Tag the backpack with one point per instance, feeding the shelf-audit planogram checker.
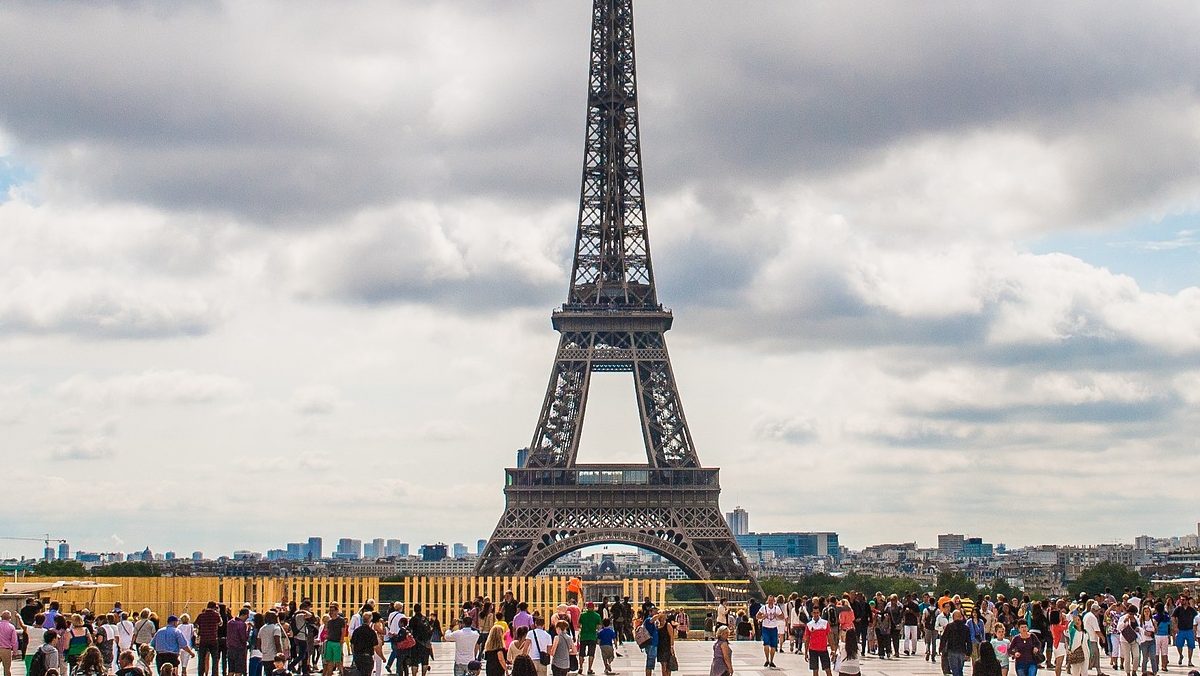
(404, 639)
(642, 636)
(38, 666)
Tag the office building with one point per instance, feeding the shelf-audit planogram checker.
(403, 549)
(378, 549)
(789, 545)
(64, 551)
(392, 548)
(277, 554)
(479, 547)
(197, 556)
(315, 551)
(169, 556)
(460, 550)
(950, 544)
(295, 551)
(738, 520)
(976, 548)
(348, 548)
(433, 552)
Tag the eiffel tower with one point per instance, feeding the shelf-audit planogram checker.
(612, 322)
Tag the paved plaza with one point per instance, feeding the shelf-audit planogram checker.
(694, 659)
(696, 656)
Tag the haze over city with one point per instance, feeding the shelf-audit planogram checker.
(273, 270)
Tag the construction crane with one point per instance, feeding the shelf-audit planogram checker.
(45, 540)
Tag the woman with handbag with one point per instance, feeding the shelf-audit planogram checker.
(666, 644)
(1075, 644)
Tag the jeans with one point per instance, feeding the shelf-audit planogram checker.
(651, 656)
(955, 661)
(209, 655)
(299, 661)
(255, 666)
(396, 655)
(1149, 657)
(1029, 669)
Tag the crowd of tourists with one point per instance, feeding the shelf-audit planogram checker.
(1133, 633)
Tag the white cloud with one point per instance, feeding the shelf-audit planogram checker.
(317, 400)
(153, 387)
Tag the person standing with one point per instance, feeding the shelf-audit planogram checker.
(771, 618)
(189, 633)
(1000, 645)
(169, 643)
(722, 661)
(1025, 649)
(562, 648)
(237, 640)
(539, 645)
(1185, 632)
(817, 636)
(848, 660)
(956, 643)
(335, 633)
(8, 642)
(495, 658)
(301, 633)
(1129, 634)
(465, 638)
(651, 644)
(363, 644)
(1095, 636)
(1075, 644)
(589, 628)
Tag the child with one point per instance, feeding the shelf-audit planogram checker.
(606, 636)
(473, 667)
(280, 665)
(1000, 644)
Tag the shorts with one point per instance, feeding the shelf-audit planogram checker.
(1185, 636)
(818, 659)
(1161, 643)
(607, 652)
(332, 653)
(587, 648)
(770, 637)
(651, 656)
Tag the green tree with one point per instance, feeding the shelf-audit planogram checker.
(957, 583)
(128, 569)
(1001, 586)
(60, 569)
(1105, 575)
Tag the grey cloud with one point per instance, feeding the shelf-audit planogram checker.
(87, 449)
(334, 111)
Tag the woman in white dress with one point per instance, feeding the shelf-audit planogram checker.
(188, 630)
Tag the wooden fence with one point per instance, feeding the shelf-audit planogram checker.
(177, 595)
(439, 596)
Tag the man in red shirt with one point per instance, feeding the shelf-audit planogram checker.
(817, 636)
(208, 623)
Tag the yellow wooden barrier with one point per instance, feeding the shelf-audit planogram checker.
(439, 596)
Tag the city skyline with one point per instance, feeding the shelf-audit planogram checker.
(916, 254)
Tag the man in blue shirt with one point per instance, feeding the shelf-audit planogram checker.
(168, 642)
(651, 648)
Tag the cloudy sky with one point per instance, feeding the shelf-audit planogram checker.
(279, 269)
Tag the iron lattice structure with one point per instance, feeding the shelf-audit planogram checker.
(612, 321)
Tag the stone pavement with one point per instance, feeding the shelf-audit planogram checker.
(696, 656)
(694, 660)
